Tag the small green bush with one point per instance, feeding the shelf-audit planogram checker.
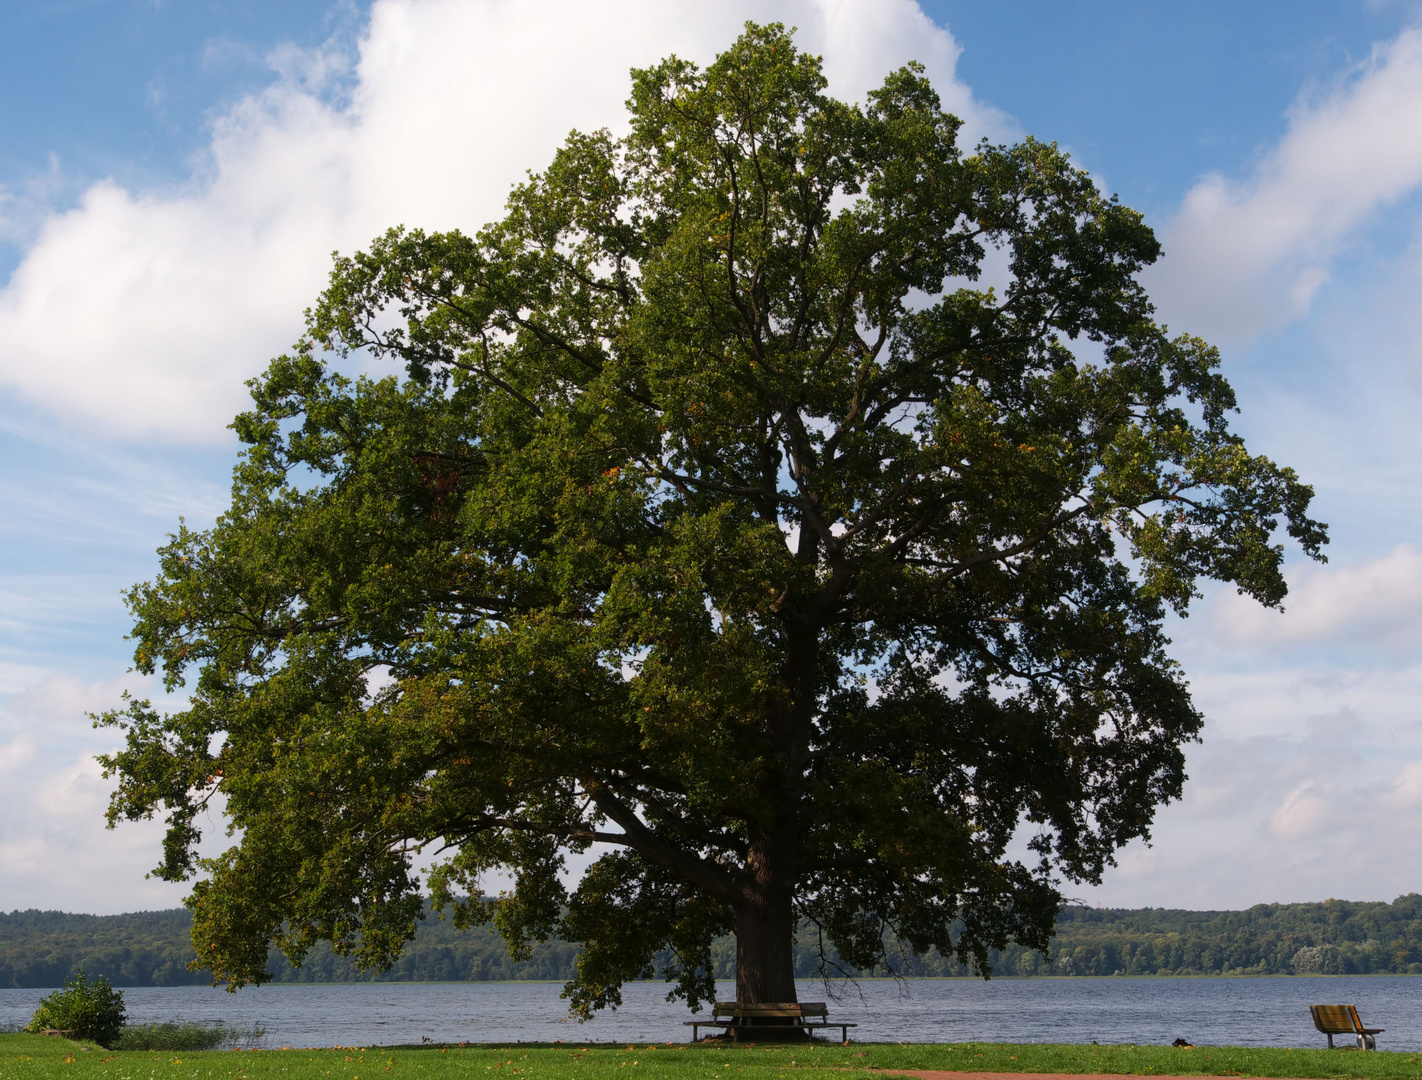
(184, 1036)
(87, 1010)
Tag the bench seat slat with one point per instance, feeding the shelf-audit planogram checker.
(732, 1023)
(772, 1008)
(749, 1015)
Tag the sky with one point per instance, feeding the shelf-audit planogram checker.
(174, 177)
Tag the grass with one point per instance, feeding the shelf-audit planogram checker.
(36, 1057)
(185, 1036)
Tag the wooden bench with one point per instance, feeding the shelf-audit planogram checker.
(1343, 1020)
(765, 1020)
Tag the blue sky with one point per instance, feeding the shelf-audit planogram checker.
(174, 175)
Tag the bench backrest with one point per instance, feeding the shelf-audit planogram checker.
(778, 1009)
(1336, 1019)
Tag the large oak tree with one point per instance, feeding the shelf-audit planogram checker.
(716, 517)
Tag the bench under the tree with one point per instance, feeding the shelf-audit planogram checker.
(767, 1020)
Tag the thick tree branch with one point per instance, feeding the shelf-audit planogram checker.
(707, 875)
(576, 833)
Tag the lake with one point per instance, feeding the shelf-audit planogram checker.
(1205, 1011)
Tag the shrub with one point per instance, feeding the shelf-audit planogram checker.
(184, 1036)
(1320, 960)
(87, 1010)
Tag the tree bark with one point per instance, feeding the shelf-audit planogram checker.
(765, 933)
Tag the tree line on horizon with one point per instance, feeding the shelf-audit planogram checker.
(1336, 937)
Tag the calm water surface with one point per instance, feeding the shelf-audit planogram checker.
(1239, 1012)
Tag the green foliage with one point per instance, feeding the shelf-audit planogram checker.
(154, 948)
(722, 517)
(1340, 936)
(146, 948)
(185, 1036)
(1337, 937)
(86, 1009)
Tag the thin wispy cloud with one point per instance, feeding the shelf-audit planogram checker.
(1246, 255)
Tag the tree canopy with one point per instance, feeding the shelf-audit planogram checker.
(780, 505)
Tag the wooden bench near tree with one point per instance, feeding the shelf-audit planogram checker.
(1343, 1020)
(771, 1020)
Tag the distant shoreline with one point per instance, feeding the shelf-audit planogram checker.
(1334, 938)
(387, 984)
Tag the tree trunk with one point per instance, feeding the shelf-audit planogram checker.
(765, 930)
(765, 962)
(765, 915)
(765, 965)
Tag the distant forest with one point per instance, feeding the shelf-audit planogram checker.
(1336, 937)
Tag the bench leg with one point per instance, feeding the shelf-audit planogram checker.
(1330, 1040)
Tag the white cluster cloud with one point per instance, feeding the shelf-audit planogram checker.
(1311, 760)
(144, 312)
(52, 844)
(1377, 602)
(1241, 257)
(1325, 809)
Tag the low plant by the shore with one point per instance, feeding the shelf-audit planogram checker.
(30, 1057)
(86, 1008)
(186, 1036)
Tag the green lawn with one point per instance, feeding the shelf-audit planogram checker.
(34, 1057)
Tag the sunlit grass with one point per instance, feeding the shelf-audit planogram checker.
(31, 1057)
